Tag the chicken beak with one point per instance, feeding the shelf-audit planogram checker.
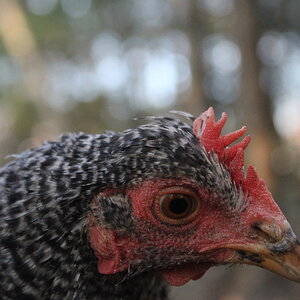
(281, 257)
(286, 265)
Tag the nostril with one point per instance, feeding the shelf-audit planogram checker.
(268, 232)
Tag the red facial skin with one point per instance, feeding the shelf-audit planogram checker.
(206, 236)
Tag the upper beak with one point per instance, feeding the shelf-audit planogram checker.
(279, 253)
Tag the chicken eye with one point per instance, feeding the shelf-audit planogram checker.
(177, 208)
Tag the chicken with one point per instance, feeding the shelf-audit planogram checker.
(121, 215)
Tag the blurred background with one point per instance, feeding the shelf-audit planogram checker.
(87, 65)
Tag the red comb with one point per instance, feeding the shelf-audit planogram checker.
(208, 132)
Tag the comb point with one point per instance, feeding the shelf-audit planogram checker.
(231, 137)
(236, 165)
(232, 151)
(251, 179)
(220, 124)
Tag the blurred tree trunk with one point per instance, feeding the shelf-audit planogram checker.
(21, 46)
(194, 102)
(26, 102)
(254, 106)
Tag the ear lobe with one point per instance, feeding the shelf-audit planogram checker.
(103, 242)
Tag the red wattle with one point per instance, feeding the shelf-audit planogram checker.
(180, 275)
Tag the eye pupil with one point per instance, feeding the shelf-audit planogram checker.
(178, 205)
